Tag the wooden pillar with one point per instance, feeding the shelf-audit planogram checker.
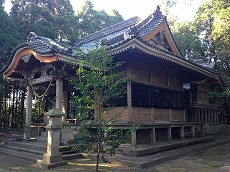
(209, 116)
(217, 119)
(193, 131)
(202, 115)
(169, 133)
(170, 115)
(27, 133)
(133, 137)
(195, 114)
(129, 100)
(206, 115)
(212, 116)
(199, 116)
(202, 130)
(153, 135)
(59, 93)
(182, 132)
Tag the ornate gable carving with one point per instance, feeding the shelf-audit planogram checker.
(162, 38)
(160, 41)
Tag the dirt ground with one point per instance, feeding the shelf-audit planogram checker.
(216, 159)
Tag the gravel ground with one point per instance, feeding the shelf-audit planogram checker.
(216, 159)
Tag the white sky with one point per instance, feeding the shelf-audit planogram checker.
(141, 8)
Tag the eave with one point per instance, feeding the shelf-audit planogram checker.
(134, 43)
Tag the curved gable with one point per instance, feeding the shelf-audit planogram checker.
(23, 56)
(162, 38)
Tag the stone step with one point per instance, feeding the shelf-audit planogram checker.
(42, 139)
(34, 150)
(30, 156)
(157, 158)
(32, 145)
(142, 150)
(24, 150)
(40, 146)
(44, 134)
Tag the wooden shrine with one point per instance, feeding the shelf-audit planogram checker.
(167, 97)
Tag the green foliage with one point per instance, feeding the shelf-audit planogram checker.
(95, 85)
(8, 36)
(46, 18)
(91, 20)
(188, 41)
(212, 21)
(2, 2)
(221, 99)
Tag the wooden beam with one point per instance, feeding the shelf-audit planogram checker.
(45, 67)
(41, 80)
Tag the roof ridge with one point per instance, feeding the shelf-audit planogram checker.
(104, 32)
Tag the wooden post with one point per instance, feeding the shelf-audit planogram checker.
(202, 130)
(133, 137)
(193, 131)
(170, 115)
(209, 116)
(217, 119)
(169, 133)
(212, 117)
(153, 135)
(129, 100)
(27, 133)
(195, 114)
(182, 132)
(207, 112)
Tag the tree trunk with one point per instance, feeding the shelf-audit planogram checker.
(98, 158)
(13, 110)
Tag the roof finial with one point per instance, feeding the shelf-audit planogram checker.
(157, 11)
(31, 37)
(158, 8)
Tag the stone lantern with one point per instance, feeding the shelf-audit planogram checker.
(53, 158)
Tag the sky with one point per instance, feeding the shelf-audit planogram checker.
(141, 8)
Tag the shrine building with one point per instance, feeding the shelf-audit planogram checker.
(168, 94)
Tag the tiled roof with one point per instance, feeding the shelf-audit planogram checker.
(119, 33)
(150, 23)
(46, 46)
(42, 46)
(110, 35)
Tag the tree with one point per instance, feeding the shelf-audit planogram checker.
(8, 36)
(188, 41)
(8, 40)
(46, 18)
(212, 22)
(95, 86)
(91, 20)
(166, 6)
(2, 2)
(211, 16)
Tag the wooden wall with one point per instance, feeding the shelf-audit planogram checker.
(154, 73)
(143, 115)
(121, 111)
